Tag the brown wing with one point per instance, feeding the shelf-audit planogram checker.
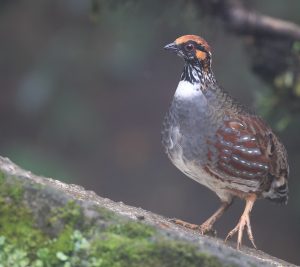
(249, 156)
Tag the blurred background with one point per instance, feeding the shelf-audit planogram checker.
(84, 89)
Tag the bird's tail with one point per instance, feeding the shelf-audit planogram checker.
(278, 191)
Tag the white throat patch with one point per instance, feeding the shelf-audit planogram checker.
(186, 89)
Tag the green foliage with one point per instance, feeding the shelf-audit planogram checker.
(95, 9)
(269, 105)
(281, 103)
(296, 47)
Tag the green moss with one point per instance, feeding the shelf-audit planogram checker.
(19, 237)
(13, 191)
(136, 244)
(63, 242)
(80, 242)
(106, 214)
(15, 220)
(68, 215)
(120, 250)
(132, 230)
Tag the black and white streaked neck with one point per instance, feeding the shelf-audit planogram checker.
(195, 72)
(193, 80)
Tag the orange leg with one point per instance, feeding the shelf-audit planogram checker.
(208, 224)
(244, 221)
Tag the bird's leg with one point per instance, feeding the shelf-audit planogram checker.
(244, 221)
(207, 225)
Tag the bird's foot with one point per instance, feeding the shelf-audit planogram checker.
(244, 221)
(204, 228)
(185, 224)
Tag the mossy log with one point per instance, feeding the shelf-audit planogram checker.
(44, 222)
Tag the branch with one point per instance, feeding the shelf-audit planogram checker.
(247, 22)
(243, 21)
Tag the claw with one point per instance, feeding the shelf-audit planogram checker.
(249, 232)
(205, 228)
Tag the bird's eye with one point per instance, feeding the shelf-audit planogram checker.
(189, 47)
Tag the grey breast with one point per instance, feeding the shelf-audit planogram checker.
(186, 129)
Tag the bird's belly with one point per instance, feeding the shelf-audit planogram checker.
(193, 171)
(192, 164)
(200, 175)
(192, 168)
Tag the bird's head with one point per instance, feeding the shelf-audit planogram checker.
(192, 48)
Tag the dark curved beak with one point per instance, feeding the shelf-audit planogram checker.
(171, 47)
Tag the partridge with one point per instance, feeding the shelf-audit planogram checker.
(217, 142)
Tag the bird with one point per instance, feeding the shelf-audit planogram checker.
(216, 141)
